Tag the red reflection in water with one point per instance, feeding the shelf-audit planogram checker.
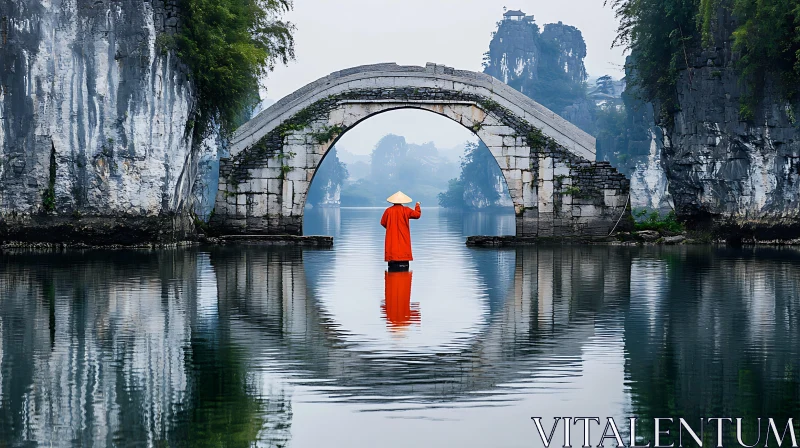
(397, 308)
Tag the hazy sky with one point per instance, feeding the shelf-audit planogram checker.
(336, 34)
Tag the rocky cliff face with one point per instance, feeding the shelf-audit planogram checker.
(92, 136)
(546, 66)
(571, 49)
(740, 176)
(649, 186)
(639, 155)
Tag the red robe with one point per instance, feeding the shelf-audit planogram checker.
(397, 246)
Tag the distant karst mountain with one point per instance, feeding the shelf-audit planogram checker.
(394, 164)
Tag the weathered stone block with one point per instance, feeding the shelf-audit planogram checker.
(520, 150)
(528, 197)
(561, 169)
(297, 174)
(223, 208)
(253, 186)
(273, 204)
(490, 140)
(274, 185)
(295, 139)
(299, 161)
(611, 199)
(502, 161)
(586, 211)
(301, 187)
(220, 197)
(314, 160)
(527, 176)
(288, 195)
(545, 190)
(546, 169)
(265, 173)
(259, 205)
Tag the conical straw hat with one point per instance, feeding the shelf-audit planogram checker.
(399, 198)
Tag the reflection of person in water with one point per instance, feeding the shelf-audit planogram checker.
(398, 310)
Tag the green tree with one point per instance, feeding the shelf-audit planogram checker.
(605, 84)
(229, 46)
(454, 196)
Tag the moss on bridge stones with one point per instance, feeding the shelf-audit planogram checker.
(272, 144)
(327, 133)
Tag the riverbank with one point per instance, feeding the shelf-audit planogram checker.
(635, 238)
(82, 232)
(641, 238)
(318, 241)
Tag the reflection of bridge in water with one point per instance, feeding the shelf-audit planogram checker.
(542, 312)
(157, 346)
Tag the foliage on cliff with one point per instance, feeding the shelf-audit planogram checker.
(555, 88)
(548, 66)
(768, 39)
(653, 220)
(661, 34)
(229, 46)
(664, 34)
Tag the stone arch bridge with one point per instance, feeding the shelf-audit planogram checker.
(549, 164)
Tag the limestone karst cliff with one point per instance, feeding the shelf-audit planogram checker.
(723, 77)
(546, 65)
(94, 113)
(738, 174)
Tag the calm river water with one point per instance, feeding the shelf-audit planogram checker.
(257, 345)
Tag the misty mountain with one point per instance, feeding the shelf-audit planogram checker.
(347, 179)
(350, 158)
(358, 165)
(453, 154)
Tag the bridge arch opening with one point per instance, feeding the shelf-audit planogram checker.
(413, 150)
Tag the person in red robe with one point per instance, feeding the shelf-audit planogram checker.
(397, 246)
